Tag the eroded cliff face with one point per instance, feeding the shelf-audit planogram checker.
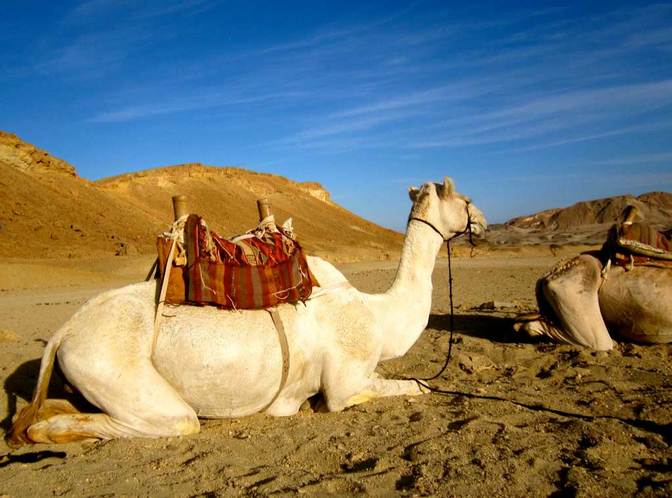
(28, 158)
(316, 190)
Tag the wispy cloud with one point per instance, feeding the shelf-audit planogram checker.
(99, 37)
(182, 104)
(530, 85)
(541, 84)
(632, 179)
(656, 158)
(445, 93)
(93, 10)
(565, 112)
(168, 7)
(587, 137)
(93, 54)
(656, 37)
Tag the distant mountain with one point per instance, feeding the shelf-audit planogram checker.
(585, 222)
(47, 210)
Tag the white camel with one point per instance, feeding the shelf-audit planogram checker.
(215, 364)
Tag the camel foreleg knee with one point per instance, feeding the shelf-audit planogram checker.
(568, 297)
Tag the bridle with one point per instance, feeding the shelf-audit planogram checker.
(467, 230)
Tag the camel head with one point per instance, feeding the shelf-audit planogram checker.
(447, 211)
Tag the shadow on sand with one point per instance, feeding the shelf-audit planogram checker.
(484, 326)
(21, 384)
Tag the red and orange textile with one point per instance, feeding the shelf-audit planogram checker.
(259, 270)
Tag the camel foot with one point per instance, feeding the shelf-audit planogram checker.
(69, 427)
(60, 429)
(381, 388)
(29, 416)
(533, 328)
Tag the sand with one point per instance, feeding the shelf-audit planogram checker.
(519, 417)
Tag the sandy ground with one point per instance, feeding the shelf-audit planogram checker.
(521, 418)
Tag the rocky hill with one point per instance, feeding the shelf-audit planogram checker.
(584, 222)
(47, 210)
(28, 158)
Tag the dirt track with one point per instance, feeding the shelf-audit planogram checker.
(523, 418)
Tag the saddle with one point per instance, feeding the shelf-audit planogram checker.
(631, 244)
(257, 270)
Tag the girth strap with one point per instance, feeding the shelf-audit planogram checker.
(162, 297)
(284, 346)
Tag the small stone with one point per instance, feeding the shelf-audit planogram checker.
(416, 417)
(495, 305)
(9, 336)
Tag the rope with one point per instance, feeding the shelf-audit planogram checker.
(467, 230)
(423, 381)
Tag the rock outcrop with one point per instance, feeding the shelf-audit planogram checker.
(28, 158)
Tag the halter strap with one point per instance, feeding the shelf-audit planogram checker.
(413, 218)
(467, 229)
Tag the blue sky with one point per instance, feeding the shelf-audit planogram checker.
(527, 105)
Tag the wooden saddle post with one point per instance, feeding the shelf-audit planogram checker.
(179, 210)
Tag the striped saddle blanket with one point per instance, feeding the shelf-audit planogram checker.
(257, 270)
(638, 244)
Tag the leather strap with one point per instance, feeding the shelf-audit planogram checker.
(467, 228)
(284, 346)
(162, 296)
(152, 271)
(413, 218)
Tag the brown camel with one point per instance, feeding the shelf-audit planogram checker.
(584, 299)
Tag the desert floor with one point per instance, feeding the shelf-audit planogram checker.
(520, 418)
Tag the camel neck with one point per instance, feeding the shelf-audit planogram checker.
(404, 309)
(418, 258)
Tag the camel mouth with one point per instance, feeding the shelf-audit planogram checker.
(478, 229)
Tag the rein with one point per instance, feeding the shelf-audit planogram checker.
(467, 230)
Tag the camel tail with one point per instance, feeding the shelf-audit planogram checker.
(17, 435)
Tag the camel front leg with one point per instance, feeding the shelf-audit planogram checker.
(354, 383)
(381, 388)
(571, 291)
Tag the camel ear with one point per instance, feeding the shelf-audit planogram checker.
(413, 193)
(448, 187)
